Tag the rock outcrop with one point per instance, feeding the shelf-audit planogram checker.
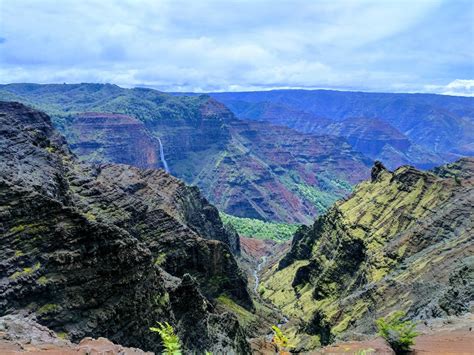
(110, 250)
(22, 334)
(104, 137)
(402, 241)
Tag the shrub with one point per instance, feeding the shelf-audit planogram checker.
(398, 333)
(279, 339)
(170, 340)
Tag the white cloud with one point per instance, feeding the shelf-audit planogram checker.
(458, 87)
(224, 45)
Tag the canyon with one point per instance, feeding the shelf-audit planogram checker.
(247, 169)
(402, 241)
(100, 240)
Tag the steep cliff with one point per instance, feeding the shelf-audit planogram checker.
(104, 137)
(379, 140)
(275, 173)
(109, 250)
(403, 240)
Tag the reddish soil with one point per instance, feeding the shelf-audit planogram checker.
(375, 346)
(446, 342)
(456, 342)
(256, 248)
(87, 346)
(442, 337)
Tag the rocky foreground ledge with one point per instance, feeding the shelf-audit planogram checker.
(20, 334)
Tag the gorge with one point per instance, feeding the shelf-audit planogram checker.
(236, 177)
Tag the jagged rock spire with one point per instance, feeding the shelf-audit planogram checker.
(376, 170)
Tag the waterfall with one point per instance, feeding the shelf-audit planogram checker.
(162, 156)
(255, 273)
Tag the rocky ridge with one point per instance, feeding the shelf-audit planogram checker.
(401, 241)
(274, 173)
(110, 250)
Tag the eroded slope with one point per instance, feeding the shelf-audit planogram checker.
(402, 241)
(110, 250)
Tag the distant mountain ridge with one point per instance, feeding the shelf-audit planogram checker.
(440, 128)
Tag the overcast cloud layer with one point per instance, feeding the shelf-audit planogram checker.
(203, 45)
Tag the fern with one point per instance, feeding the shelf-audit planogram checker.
(170, 340)
(398, 333)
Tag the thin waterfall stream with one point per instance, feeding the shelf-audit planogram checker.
(162, 156)
(256, 271)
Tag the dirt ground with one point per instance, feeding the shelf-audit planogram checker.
(87, 346)
(456, 342)
(454, 336)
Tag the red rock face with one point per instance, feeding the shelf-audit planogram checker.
(249, 169)
(275, 173)
(215, 109)
(117, 138)
(369, 135)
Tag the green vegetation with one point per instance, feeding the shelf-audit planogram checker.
(365, 351)
(323, 195)
(90, 216)
(170, 340)
(43, 280)
(280, 340)
(26, 271)
(33, 228)
(48, 308)
(61, 102)
(245, 317)
(398, 333)
(161, 300)
(160, 259)
(63, 335)
(322, 200)
(258, 229)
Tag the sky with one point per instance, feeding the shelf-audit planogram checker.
(215, 45)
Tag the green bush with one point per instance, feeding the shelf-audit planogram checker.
(398, 333)
(170, 340)
(280, 340)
